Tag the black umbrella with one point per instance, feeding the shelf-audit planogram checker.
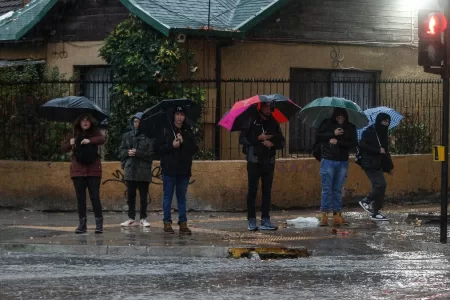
(68, 109)
(160, 116)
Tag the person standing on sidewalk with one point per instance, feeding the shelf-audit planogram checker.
(336, 137)
(260, 139)
(136, 154)
(86, 168)
(177, 150)
(375, 161)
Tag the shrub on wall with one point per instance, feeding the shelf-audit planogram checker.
(145, 66)
(23, 134)
(411, 137)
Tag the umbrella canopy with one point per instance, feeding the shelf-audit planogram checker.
(322, 108)
(160, 116)
(244, 110)
(372, 114)
(68, 109)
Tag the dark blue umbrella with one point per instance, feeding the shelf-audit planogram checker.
(68, 109)
(160, 116)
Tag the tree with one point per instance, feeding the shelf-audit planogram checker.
(144, 66)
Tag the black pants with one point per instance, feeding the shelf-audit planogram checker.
(254, 172)
(92, 184)
(142, 186)
(376, 195)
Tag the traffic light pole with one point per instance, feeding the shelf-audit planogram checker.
(445, 133)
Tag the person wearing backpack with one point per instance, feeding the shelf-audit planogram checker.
(136, 154)
(375, 160)
(86, 168)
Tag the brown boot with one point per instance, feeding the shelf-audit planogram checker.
(338, 219)
(323, 219)
(184, 229)
(168, 227)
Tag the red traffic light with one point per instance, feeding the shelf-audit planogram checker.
(436, 23)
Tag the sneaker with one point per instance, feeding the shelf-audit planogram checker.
(378, 217)
(129, 223)
(266, 225)
(367, 206)
(252, 224)
(144, 223)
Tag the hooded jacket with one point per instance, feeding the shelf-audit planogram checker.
(139, 167)
(177, 161)
(345, 142)
(372, 140)
(253, 148)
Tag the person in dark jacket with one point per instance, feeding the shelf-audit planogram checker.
(86, 172)
(375, 161)
(260, 139)
(136, 154)
(177, 150)
(337, 137)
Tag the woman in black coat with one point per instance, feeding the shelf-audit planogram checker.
(375, 161)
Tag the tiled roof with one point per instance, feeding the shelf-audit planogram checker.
(15, 25)
(224, 17)
(9, 5)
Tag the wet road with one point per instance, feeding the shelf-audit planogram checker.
(386, 275)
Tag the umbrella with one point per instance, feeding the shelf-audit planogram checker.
(372, 114)
(244, 110)
(161, 116)
(322, 108)
(68, 109)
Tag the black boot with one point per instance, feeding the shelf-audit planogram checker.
(98, 225)
(82, 226)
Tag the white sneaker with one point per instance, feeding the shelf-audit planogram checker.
(145, 223)
(129, 223)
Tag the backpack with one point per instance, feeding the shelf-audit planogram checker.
(358, 156)
(85, 154)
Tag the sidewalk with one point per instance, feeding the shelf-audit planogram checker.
(214, 234)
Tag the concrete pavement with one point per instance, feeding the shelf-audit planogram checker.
(216, 234)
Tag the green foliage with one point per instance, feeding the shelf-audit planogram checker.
(411, 137)
(24, 135)
(145, 66)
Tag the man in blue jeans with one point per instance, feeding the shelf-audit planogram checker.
(177, 150)
(337, 137)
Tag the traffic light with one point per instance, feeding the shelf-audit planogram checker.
(432, 25)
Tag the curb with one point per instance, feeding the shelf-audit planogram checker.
(166, 251)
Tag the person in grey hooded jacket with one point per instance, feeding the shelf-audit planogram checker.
(136, 154)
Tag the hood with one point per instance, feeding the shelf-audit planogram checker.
(381, 117)
(137, 115)
(339, 111)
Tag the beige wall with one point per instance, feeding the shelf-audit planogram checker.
(78, 54)
(218, 186)
(264, 60)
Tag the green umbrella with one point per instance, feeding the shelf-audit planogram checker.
(322, 108)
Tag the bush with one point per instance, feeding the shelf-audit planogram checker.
(411, 137)
(23, 134)
(145, 64)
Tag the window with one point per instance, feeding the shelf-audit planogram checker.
(95, 84)
(309, 84)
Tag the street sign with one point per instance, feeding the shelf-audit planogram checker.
(439, 153)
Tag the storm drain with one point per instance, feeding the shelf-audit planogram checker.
(264, 253)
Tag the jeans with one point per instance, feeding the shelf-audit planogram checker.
(376, 195)
(254, 172)
(142, 186)
(179, 184)
(92, 184)
(333, 174)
